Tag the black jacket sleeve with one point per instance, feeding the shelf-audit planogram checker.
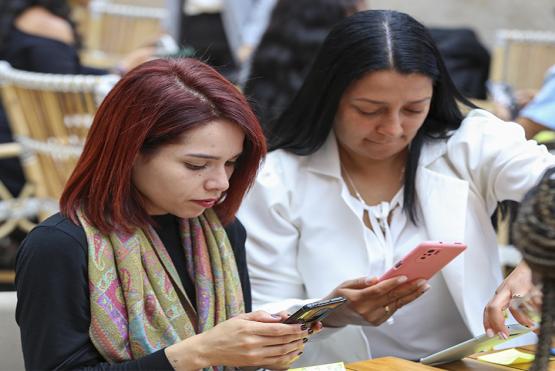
(53, 309)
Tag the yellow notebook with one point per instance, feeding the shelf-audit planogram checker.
(508, 357)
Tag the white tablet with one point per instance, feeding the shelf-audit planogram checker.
(481, 343)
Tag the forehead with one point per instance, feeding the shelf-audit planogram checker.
(387, 84)
(215, 136)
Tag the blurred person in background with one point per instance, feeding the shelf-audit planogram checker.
(285, 53)
(539, 113)
(40, 36)
(223, 33)
(466, 59)
(533, 110)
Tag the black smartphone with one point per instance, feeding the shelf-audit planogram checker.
(316, 311)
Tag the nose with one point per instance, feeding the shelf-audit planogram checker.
(391, 125)
(218, 181)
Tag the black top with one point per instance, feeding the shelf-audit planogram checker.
(41, 54)
(53, 307)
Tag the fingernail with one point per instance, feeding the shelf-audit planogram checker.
(310, 331)
(426, 288)
(369, 280)
(276, 315)
(305, 340)
(420, 283)
(402, 279)
(489, 333)
(303, 327)
(503, 336)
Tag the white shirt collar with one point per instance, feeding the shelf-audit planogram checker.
(326, 160)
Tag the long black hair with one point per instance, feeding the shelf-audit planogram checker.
(296, 30)
(11, 9)
(534, 235)
(364, 42)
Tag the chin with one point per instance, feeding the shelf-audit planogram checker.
(377, 156)
(192, 213)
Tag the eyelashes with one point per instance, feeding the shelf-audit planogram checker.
(194, 167)
(229, 164)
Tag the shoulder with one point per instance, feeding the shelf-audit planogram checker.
(38, 22)
(484, 143)
(281, 167)
(57, 238)
(481, 137)
(480, 125)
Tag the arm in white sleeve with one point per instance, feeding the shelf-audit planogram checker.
(272, 241)
(499, 159)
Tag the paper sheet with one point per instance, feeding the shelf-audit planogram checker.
(508, 357)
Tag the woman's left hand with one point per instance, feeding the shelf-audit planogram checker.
(517, 284)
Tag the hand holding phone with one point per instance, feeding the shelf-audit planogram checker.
(425, 260)
(316, 311)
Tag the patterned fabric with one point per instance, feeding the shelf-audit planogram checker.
(138, 303)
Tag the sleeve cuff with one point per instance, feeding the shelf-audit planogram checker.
(156, 361)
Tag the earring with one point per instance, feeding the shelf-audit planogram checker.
(222, 198)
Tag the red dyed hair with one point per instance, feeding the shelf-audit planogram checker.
(153, 105)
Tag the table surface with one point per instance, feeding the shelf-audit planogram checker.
(468, 363)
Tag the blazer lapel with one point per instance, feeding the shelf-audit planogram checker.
(443, 202)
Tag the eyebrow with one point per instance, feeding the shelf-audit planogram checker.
(381, 102)
(209, 157)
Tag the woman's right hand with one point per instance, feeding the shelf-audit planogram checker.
(373, 301)
(251, 339)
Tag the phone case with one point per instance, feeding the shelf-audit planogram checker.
(425, 260)
(316, 311)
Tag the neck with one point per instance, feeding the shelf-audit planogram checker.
(373, 181)
(356, 164)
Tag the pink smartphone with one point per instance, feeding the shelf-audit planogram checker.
(425, 260)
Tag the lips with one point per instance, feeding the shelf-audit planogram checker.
(380, 142)
(206, 203)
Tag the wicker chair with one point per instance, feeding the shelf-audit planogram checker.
(521, 58)
(50, 116)
(113, 30)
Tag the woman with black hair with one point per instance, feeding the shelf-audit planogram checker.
(283, 57)
(372, 157)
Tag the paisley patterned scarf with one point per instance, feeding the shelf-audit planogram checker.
(138, 303)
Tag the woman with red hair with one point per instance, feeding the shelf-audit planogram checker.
(138, 271)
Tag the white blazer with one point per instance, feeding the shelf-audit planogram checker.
(304, 240)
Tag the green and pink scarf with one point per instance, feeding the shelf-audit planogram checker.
(138, 303)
